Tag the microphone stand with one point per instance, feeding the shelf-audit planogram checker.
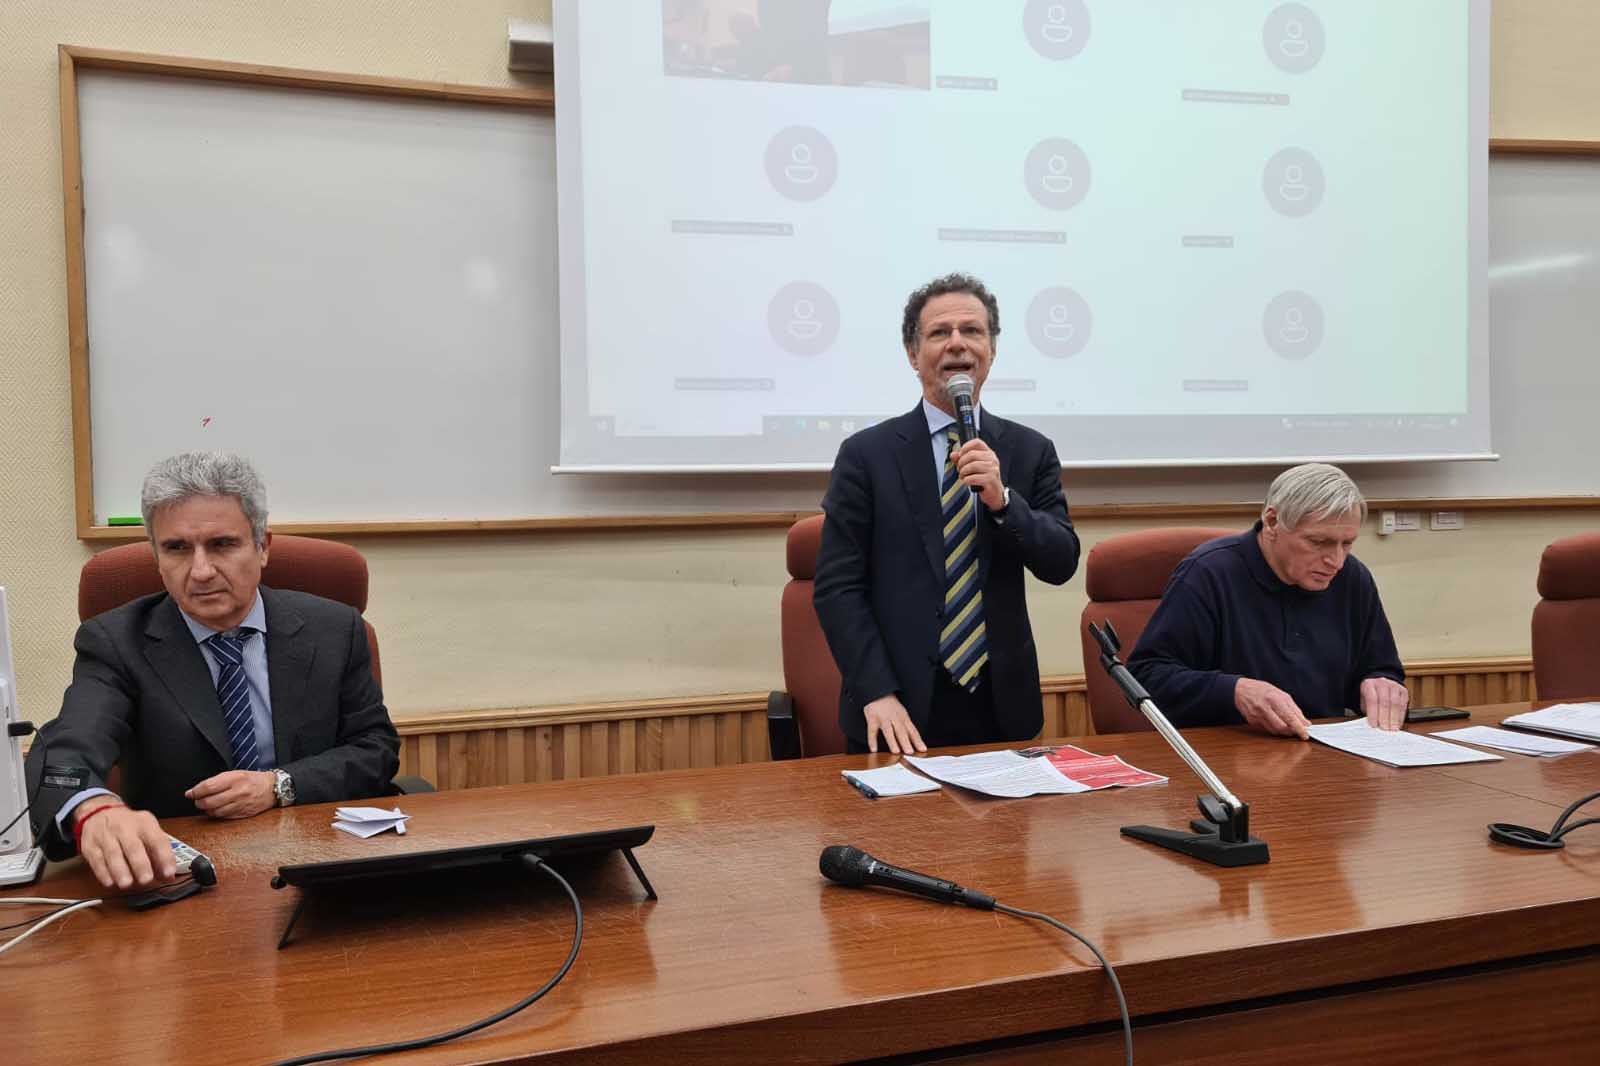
(1223, 839)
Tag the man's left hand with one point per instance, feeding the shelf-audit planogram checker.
(979, 467)
(237, 793)
(1384, 702)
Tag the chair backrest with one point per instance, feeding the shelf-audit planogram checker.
(1125, 576)
(305, 564)
(1566, 621)
(809, 673)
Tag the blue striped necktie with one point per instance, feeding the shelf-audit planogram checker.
(234, 694)
(963, 643)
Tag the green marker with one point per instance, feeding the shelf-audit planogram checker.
(124, 520)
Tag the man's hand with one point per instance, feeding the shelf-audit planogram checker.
(235, 793)
(1384, 702)
(1269, 708)
(978, 467)
(889, 716)
(124, 848)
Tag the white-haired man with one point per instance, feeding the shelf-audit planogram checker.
(1279, 622)
(218, 696)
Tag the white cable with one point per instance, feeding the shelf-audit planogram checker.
(78, 906)
(38, 899)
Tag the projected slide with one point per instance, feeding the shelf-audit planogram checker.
(1217, 232)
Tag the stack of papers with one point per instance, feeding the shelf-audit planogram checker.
(1394, 747)
(366, 822)
(998, 773)
(1581, 720)
(1519, 743)
(893, 780)
(1012, 774)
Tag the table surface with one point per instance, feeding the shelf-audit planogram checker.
(1375, 872)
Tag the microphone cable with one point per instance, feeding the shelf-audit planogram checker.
(64, 907)
(1116, 985)
(1538, 839)
(429, 1041)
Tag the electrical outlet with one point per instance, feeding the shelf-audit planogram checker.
(1385, 523)
(1407, 521)
(1447, 520)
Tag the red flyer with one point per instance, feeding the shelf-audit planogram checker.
(1099, 771)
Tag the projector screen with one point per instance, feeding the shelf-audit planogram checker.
(1218, 232)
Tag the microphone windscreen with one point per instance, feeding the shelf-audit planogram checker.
(959, 385)
(845, 865)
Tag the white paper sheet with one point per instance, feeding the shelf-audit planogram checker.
(888, 781)
(1510, 740)
(1570, 719)
(1394, 747)
(366, 822)
(998, 773)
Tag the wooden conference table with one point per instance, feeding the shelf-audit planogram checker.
(1386, 928)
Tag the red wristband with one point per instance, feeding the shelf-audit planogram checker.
(77, 828)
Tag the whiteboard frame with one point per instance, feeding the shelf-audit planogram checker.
(536, 98)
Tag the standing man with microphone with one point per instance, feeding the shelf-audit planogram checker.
(929, 523)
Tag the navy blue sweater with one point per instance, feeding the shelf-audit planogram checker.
(1225, 615)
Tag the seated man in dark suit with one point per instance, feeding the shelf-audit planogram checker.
(218, 696)
(919, 575)
(1277, 622)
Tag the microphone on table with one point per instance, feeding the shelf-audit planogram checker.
(959, 389)
(854, 868)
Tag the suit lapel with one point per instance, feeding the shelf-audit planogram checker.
(290, 653)
(914, 455)
(180, 664)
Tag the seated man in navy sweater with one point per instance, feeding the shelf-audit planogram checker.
(1277, 623)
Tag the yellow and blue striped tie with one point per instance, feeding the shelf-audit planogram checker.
(963, 643)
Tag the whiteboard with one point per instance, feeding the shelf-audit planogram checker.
(359, 292)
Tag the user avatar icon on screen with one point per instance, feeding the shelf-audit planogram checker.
(804, 325)
(1059, 328)
(1056, 28)
(1294, 326)
(800, 170)
(1056, 179)
(1294, 43)
(1294, 187)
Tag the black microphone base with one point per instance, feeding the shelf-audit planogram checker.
(1206, 846)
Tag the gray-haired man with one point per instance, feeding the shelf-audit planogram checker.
(218, 696)
(1278, 622)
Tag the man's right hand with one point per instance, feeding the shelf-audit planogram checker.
(1269, 709)
(888, 715)
(123, 847)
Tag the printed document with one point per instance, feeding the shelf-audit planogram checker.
(1394, 747)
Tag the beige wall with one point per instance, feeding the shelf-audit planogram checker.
(522, 620)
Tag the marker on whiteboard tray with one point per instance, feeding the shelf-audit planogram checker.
(124, 520)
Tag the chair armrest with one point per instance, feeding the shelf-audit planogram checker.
(783, 732)
(410, 785)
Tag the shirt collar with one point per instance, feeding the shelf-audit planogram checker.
(938, 420)
(256, 620)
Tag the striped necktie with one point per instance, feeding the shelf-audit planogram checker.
(963, 643)
(234, 694)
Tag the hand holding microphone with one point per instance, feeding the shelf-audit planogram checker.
(976, 463)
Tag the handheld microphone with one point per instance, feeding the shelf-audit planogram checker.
(960, 388)
(854, 868)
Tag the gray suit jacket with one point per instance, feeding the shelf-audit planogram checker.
(141, 697)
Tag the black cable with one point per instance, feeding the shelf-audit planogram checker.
(1116, 986)
(1557, 832)
(44, 753)
(40, 917)
(1538, 839)
(499, 1016)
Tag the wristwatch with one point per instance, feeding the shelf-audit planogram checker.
(1005, 505)
(282, 789)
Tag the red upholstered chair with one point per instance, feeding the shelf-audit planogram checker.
(803, 720)
(305, 564)
(1566, 621)
(1125, 576)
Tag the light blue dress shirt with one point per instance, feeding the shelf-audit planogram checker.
(937, 421)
